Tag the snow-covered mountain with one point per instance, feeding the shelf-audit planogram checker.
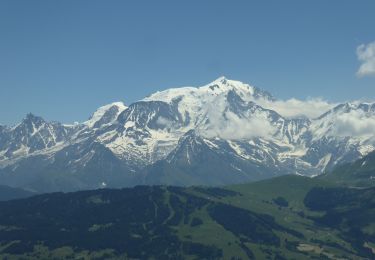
(31, 136)
(216, 134)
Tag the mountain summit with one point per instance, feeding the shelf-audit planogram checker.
(219, 133)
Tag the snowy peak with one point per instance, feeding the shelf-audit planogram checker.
(353, 120)
(33, 118)
(218, 87)
(222, 84)
(33, 134)
(368, 108)
(30, 125)
(151, 115)
(218, 108)
(105, 115)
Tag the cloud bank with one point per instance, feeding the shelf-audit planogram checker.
(366, 55)
(236, 128)
(225, 124)
(164, 122)
(291, 108)
(355, 124)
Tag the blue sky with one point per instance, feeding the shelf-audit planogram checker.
(63, 59)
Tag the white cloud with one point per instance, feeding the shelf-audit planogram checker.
(236, 128)
(241, 128)
(227, 125)
(366, 55)
(355, 124)
(164, 122)
(311, 108)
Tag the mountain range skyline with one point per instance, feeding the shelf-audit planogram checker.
(318, 102)
(243, 132)
(62, 63)
(311, 107)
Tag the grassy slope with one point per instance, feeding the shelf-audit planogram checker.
(259, 196)
(182, 205)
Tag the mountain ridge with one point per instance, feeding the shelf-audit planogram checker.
(226, 116)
